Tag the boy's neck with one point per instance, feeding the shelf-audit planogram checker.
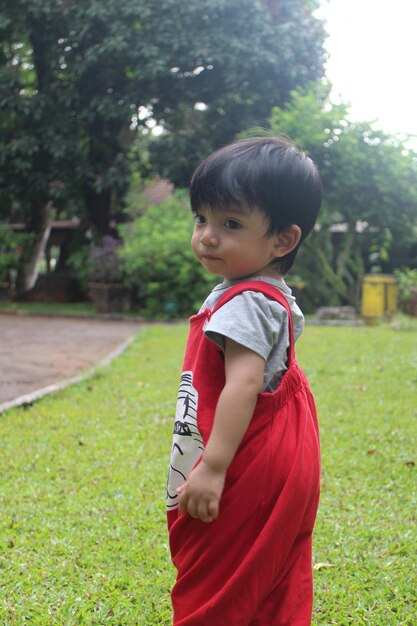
(265, 273)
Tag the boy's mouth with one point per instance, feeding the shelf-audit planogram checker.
(210, 257)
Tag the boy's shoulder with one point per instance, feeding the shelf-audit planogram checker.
(221, 290)
(252, 309)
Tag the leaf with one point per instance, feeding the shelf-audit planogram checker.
(319, 566)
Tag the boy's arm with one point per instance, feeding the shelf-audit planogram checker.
(244, 370)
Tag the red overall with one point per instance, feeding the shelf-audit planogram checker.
(252, 566)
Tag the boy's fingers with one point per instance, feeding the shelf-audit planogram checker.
(200, 508)
(202, 511)
(192, 507)
(213, 509)
(182, 503)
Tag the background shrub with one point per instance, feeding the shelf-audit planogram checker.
(407, 289)
(12, 248)
(160, 265)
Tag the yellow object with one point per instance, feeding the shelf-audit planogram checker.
(379, 297)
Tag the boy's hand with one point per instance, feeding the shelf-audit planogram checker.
(200, 495)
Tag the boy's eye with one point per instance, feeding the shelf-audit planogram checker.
(232, 224)
(199, 219)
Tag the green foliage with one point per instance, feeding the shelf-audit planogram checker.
(238, 83)
(74, 74)
(37, 140)
(82, 525)
(314, 268)
(106, 263)
(369, 186)
(407, 287)
(159, 262)
(12, 248)
(80, 263)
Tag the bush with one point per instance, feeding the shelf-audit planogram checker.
(12, 247)
(159, 263)
(407, 289)
(106, 264)
(320, 288)
(95, 261)
(79, 262)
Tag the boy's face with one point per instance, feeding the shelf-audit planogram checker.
(234, 243)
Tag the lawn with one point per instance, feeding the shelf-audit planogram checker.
(82, 526)
(82, 309)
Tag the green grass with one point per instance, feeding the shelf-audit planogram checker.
(365, 382)
(70, 309)
(48, 308)
(82, 524)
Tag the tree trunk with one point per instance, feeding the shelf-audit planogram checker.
(110, 169)
(40, 228)
(99, 208)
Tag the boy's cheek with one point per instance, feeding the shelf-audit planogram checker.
(194, 244)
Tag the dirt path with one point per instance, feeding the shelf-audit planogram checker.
(37, 351)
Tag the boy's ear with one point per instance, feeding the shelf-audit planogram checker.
(287, 240)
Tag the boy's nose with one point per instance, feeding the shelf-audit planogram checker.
(209, 237)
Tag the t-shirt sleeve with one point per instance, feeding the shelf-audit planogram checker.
(250, 319)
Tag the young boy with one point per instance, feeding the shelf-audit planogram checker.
(244, 476)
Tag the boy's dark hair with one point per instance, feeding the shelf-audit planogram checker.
(270, 173)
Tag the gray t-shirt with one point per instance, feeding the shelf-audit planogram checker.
(256, 322)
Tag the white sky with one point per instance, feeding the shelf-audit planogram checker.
(373, 60)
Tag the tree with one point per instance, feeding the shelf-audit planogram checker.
(248, 57)
(74, 73)
(37, 147)
(370, 186)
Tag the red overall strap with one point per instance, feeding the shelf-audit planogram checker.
(268, 290)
